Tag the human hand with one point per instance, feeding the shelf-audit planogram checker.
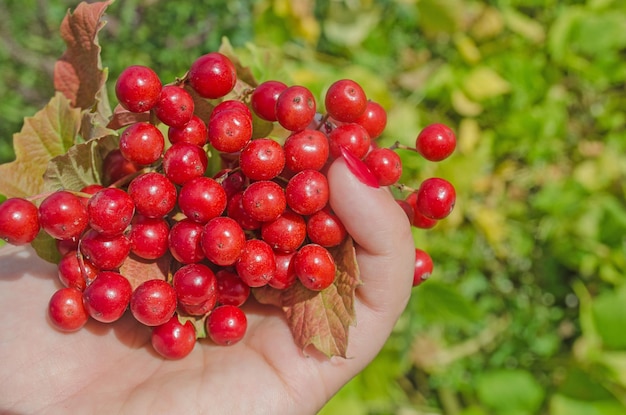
(112, 368)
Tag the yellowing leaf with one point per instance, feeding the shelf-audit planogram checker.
(80, 166)
(49, 133)
(78, 74)
(484, 83)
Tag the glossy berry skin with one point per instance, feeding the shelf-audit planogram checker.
(236, 211)
(195, 284)
(153, 302)
(115, 167)
(306, 149)
(351, 137)
(153, 194)
(66, 310)
(149, 237)
(183, 162)
(295, 108)
(185, 241)
(385, 164)
(345, 100)
(212, 75)
(233, 181)
(230, 130)
(175, 106)
(63, 215)
(285, 276)
(264, 200)
(286, 233)
(226, 325)
(307, 192)
(256, 265)
(110, 211)
(325, 228)
(416, 217)
(73, 271)
(142, 143)
(264, 97)
(231, 104)
(423, 267)
(435, 198)
(138, 88)
(19, 221)
(108, 296)
(262, 159)
(231, 289)
(314, 267)
(373, 119)
(194, 132)
(436, 142)
(105, 252)
(173, 340)
(223, 240)
(202, 199)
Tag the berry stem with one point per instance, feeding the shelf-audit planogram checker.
(401, 146)
(404, 188)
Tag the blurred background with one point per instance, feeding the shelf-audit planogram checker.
(525, 312)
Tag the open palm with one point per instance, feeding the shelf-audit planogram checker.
(112, 368)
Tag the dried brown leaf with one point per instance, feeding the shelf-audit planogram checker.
(137, 270)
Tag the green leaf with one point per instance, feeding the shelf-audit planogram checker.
(510, 391)
(484, 83)
(609, 314)
(49, 133)
(46, 248)
(80, 166)
(439, 302)
(563, 405)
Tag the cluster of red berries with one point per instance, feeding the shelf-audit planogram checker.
(264, 219)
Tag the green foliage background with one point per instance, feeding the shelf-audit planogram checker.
(526, 310)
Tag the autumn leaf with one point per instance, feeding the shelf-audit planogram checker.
(80, 166)
(78, 74)
(49, 133)
(321, 318)
(137, 270)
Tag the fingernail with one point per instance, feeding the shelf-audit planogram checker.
(359, 169)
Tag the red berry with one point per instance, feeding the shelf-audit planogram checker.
(142, 143)
(19, 221)
(295, 108)
(149, 237)
(226, 325)
(153, 194)
(107, 297)
(230, 130)
(66, 309)
(223, 240)
(314, 267)
(115, 167)
(212, 75)
(194, 132)
(231, 289)
(307, 192)
(345, 100)
(264, 200)
(374, 119)
(173, 339)
(110, 211)
(417, 218)
(264, 97)
(285, 276)
(286, 233)
(436, 142)
(175, 106)
(352, 137)
(185, 241)
(153, 302)
(138, 88)
(325, 228)
(63, 215)
(104, 252)
(195, 284)
(306, 149)
(423, 267)
(236, 211)
(435, 198)
(231, 104)
(184, 161)
(385, 164)
(256, 264)
(202, 199)
(262, 159)
(74, 271)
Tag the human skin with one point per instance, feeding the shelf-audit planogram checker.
(112, 368)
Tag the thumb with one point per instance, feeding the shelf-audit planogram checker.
(383, 239)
